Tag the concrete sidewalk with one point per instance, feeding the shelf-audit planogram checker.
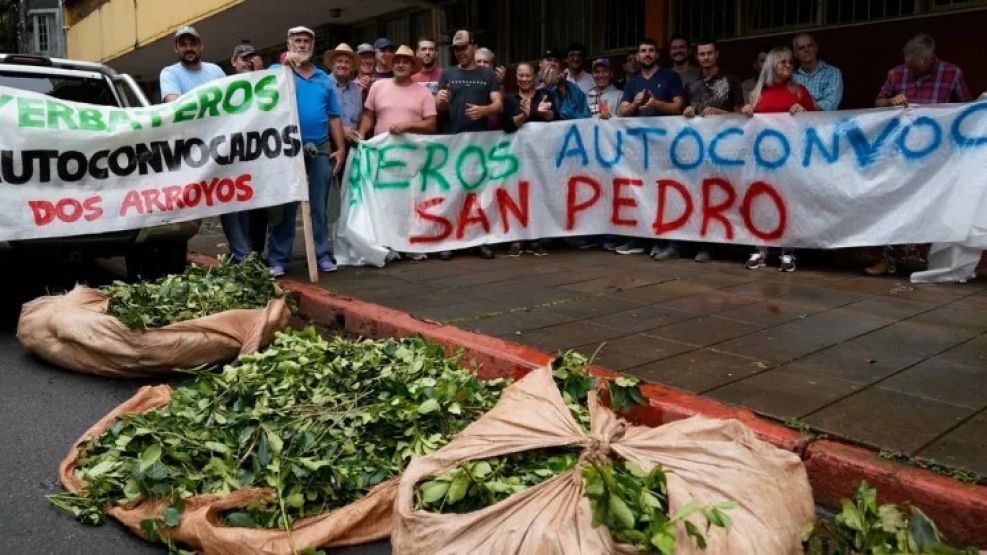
(873, 360)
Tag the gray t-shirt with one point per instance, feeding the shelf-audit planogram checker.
(467, 87)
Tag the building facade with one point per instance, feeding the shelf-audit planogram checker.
(862, 37)
(42, 28)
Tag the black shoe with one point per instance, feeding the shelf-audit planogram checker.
(515, 250)
(485, 252)
(445, 255)
(538, 250)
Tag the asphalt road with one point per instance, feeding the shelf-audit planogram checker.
(43, 410)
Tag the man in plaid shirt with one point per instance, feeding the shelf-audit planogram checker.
(825, 82)
(923, 78)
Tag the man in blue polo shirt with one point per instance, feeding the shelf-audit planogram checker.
(652, 92)
(318, 115)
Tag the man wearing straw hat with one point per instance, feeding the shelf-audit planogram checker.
(342, 63)
(318, 117)
(399, 105)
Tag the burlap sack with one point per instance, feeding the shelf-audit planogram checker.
(73, 331)
(710, 461)
(365, 520)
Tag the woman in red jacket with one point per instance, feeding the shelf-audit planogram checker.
(776, 92)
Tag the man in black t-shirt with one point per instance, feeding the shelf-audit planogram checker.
(711, 94)
(470, 95)
(714, 92)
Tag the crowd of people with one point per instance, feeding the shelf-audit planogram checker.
(387, 88)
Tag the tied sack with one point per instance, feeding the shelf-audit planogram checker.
(201, 527)
(706, 460)
(73, 331)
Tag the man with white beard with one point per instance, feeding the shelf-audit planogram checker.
(319, 118)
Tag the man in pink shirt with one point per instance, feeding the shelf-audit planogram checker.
(429, 74)
(399, 105)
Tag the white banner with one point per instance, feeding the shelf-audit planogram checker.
(815, 180)
(71, 169)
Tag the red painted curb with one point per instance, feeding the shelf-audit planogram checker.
(834, 468)
(669, 404)
(959, 509)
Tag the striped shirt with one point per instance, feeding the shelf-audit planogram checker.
(825, 84)
(943, 83)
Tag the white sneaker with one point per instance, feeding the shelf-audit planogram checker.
(631, 247)
(415, 255)
(787, 263)
(756, 260)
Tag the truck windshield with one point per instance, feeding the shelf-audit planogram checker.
(74, 89)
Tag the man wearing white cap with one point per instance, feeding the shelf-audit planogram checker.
(181, 77)
(319, 118)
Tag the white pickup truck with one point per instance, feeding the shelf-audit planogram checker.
(149, 252)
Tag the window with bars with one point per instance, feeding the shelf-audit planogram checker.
(569, 21)
(520, 30)
(732, 18)
(532, 26)
(522, 39)
(706, 18)
(954, 4)
(847, 11)
(623, 24)
(44, 33)
(770, 15)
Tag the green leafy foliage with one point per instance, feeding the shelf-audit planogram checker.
(571, 373)
(475, 485)
(631, 503)
(318, 421)
(197, 292)
(865, 527)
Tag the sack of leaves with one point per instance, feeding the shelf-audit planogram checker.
(206, 315)
(628, 489)
(293, 448)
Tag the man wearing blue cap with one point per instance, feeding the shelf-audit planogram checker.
(384, 51)
(319, 119)
(604, 98)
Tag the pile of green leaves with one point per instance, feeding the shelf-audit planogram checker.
(867, 528)
(631, 503)
(321, 422)
(570, 371)
(199, 291)
(474, 485)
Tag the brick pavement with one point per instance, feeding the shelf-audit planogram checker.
(874, 360)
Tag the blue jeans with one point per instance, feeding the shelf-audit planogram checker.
(235, 227)
(282, 234)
